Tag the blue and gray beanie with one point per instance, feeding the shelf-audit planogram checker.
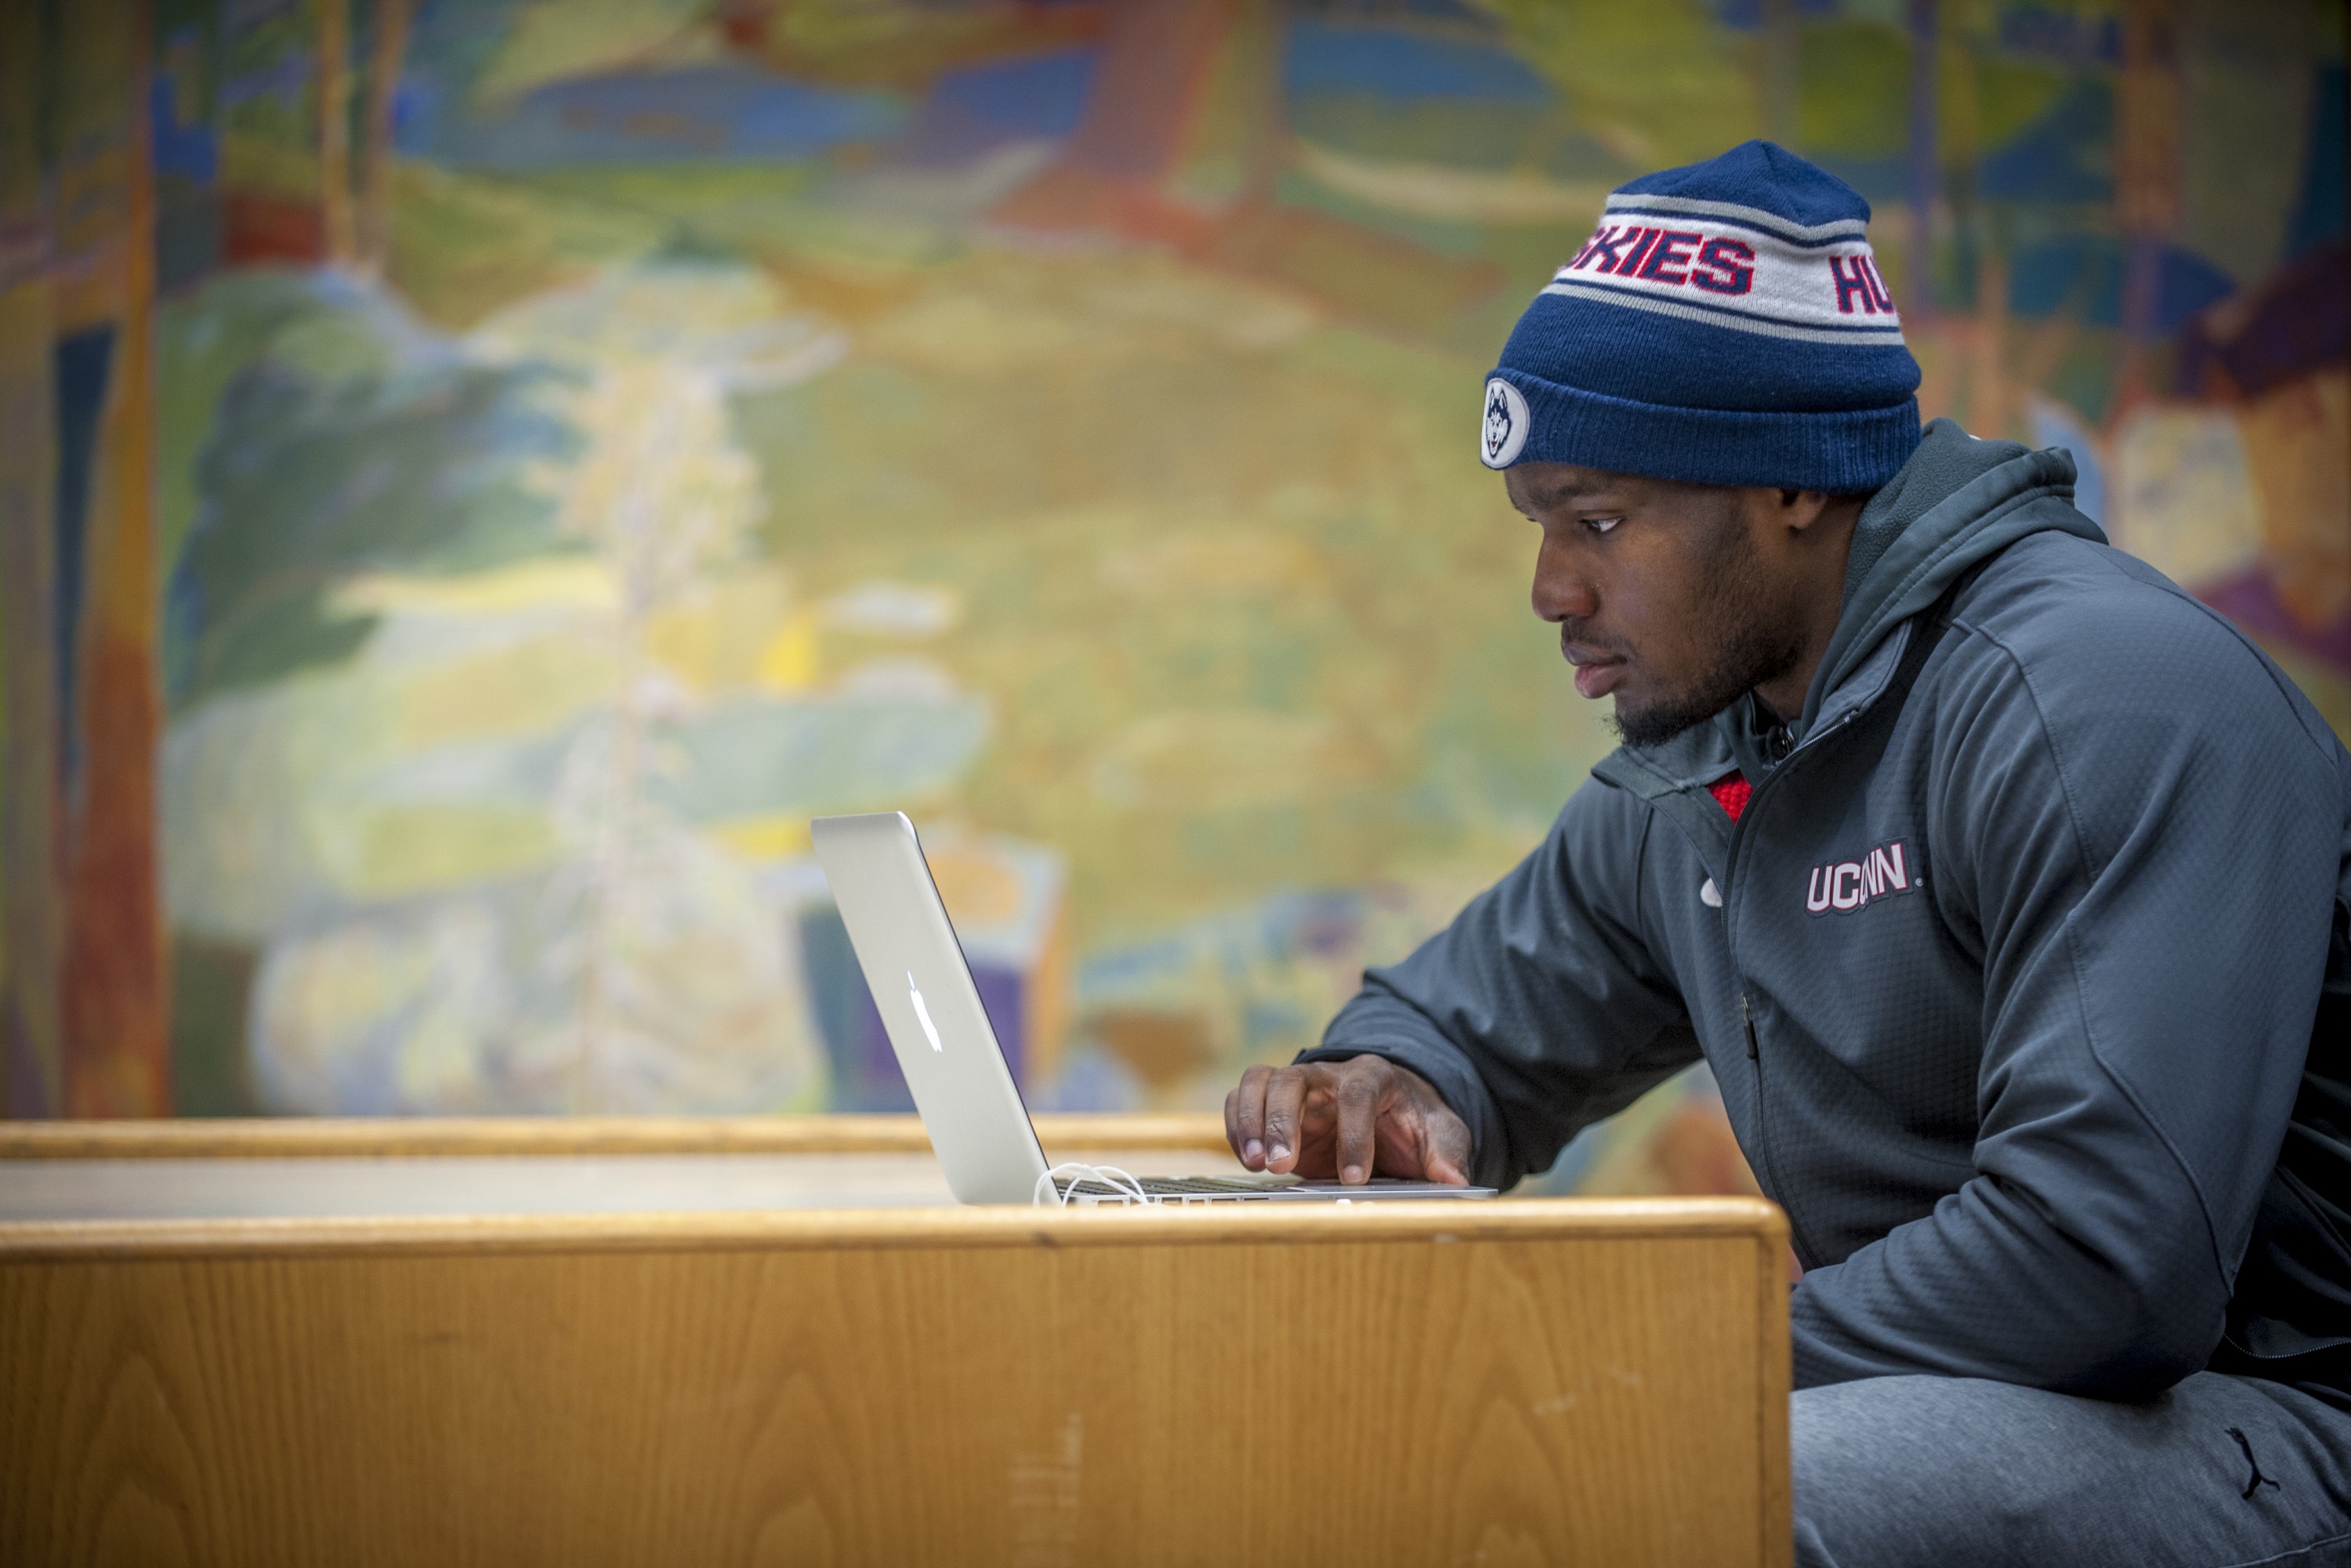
(1726, 324)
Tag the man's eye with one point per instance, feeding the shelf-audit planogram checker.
(1601, 524)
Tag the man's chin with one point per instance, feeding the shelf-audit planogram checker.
(1642, 721)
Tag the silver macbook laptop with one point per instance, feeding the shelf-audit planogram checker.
(949, 1053)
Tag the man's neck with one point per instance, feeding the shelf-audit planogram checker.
(1784, 698)
(1816, 603)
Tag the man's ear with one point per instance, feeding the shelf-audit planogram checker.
(1799, 509)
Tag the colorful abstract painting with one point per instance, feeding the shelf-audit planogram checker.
(482, 474)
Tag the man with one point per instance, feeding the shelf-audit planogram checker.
(2001, 884)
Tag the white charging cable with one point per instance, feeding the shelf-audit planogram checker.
(1126, 1186)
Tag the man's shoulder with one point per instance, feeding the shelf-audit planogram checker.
(2090, 631)
(2055, 593)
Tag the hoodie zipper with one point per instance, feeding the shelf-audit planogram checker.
(1739, 833)
(1930, 625)
(1793, 758)
(1768, 1172)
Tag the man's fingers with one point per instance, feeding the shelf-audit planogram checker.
(1285, 1095)
(1358, 1099)
(1365, 1111)
(1245, 1117)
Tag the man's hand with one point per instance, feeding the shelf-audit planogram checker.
(1347, 1119)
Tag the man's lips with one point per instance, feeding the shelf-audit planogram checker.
(1597, 673)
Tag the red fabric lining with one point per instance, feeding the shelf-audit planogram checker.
(1733, 789)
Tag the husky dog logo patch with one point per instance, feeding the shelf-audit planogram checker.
(1504, 434)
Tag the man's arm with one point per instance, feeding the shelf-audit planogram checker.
(1537, 1011)
(2144, 844)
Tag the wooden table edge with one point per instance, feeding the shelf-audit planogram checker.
(297, 1138)
(1775, 1356)
(26, 1241)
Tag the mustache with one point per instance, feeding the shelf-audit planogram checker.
(1578, 635)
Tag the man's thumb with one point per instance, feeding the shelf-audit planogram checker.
(1448, 1144)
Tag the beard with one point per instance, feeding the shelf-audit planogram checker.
(1755, 646)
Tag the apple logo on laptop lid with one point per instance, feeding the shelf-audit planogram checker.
(930, 1030)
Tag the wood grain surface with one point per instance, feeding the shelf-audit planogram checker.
(1514, 1383)
(294, 1136)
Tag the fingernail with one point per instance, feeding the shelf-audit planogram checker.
(1279, 1152)
(1252, 1153)
(1354, 1174)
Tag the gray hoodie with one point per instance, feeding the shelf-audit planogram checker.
(2011, 972)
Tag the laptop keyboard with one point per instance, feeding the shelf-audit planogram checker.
(1179, 1187)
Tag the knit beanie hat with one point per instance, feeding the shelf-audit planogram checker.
(1726, 324)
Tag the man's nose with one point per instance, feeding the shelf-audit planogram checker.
(1562, 592)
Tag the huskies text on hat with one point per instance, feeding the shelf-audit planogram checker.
(1726, 324)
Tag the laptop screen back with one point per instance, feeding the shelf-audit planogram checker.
(924, 989)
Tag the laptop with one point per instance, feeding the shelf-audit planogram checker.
(962, 1086)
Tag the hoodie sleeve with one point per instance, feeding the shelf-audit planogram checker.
(1539, 1009)
(2140, 836)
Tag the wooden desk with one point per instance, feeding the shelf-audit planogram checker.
(1552, 1380)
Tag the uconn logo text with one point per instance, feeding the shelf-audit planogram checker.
(1846, 887)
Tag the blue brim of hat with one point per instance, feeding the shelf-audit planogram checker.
(1842, 451)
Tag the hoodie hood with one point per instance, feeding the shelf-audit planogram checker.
(1956, 504)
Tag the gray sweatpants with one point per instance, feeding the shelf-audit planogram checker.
(2218, 1472)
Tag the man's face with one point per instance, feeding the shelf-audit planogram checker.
(1662, 596)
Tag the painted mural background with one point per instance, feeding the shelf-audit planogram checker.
(481, 474)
